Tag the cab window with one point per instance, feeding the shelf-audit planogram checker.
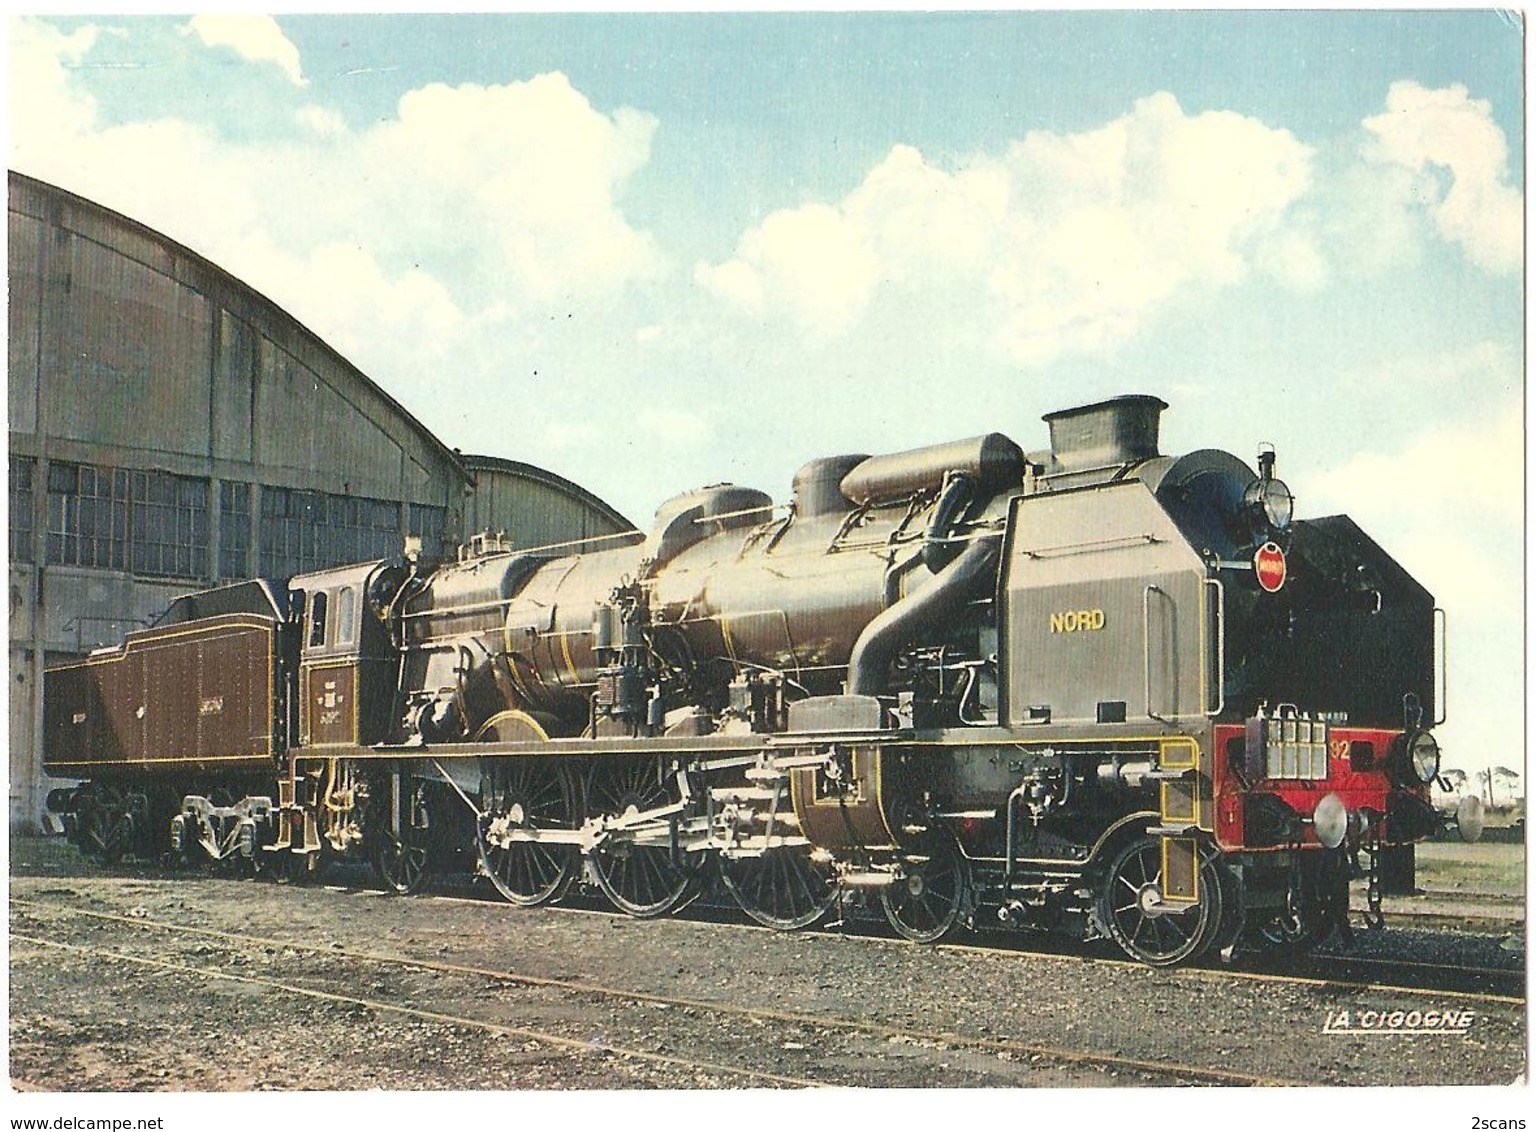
(317, 620)
(346, 616)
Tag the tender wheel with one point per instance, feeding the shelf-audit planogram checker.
(926, 903)
(642, 880)
(403, 861)
(782, 889)
(1146, 929)
(106, 830)
(232, 863)
(289, 867)
(527, 794)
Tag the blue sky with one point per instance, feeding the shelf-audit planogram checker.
(650, 252)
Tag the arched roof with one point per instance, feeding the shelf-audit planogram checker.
(128, 237)
(545, 478)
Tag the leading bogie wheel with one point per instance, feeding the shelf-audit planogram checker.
(526, 795)
(925, 903)
(1147, 928)
(1289, 934)
(784, 888)
(641, 880)
(1297, 926)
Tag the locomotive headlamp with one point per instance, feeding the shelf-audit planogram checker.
(1275, 501)
(1423, 758)
(1330, 821)
(1267, 498)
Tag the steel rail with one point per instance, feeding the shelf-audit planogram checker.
(1019, 945)
(577, 1044)
(1227, 973)
(873, 1029)
(1503, 974)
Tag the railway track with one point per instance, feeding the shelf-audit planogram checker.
(1505, 984)
(116, 955)
(1321, 968)
(1446, 980)
(1154, 1072)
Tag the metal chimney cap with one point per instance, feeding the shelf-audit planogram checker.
(1122, 430)
(1144, 400)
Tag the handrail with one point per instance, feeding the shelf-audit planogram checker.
(1444, 679)
(1221, 647)
(1146, 649)
(1117, 542)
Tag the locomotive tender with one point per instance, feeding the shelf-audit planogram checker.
(1091, 689)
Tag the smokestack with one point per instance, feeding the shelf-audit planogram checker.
(1121, 430)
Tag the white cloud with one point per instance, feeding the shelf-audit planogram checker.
(1066, 242)
(737, 281)
(535, 169)
(257, 38)
(1371, 217)
(1295, 259)
(1456, 471)
(1444, 504)
(355, 302)
(1448, 377)
(1448, 506)
(475, 204)
(1438, 133)
(321, 121)
(42, 106)
(815, 260)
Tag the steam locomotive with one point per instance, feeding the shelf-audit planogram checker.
(1090, 689)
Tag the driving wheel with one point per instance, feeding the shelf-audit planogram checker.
(524, 795)
(402, 859)
(782, 889)
(641, 880)
(926, 902)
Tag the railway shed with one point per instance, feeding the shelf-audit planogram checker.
(171, 428)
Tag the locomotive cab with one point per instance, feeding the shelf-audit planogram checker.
(348, 663)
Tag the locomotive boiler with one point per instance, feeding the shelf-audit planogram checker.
(1091, 688)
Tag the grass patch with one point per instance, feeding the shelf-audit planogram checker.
(1485, 866)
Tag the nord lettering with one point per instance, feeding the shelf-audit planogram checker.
(1077, 621)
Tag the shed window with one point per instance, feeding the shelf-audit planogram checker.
(312, 530)
(170, 525)
(152, 523)
(234, 529)
(88, 516)
(22, 470)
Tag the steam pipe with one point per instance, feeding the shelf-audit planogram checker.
(938, 550)
(883, 637)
